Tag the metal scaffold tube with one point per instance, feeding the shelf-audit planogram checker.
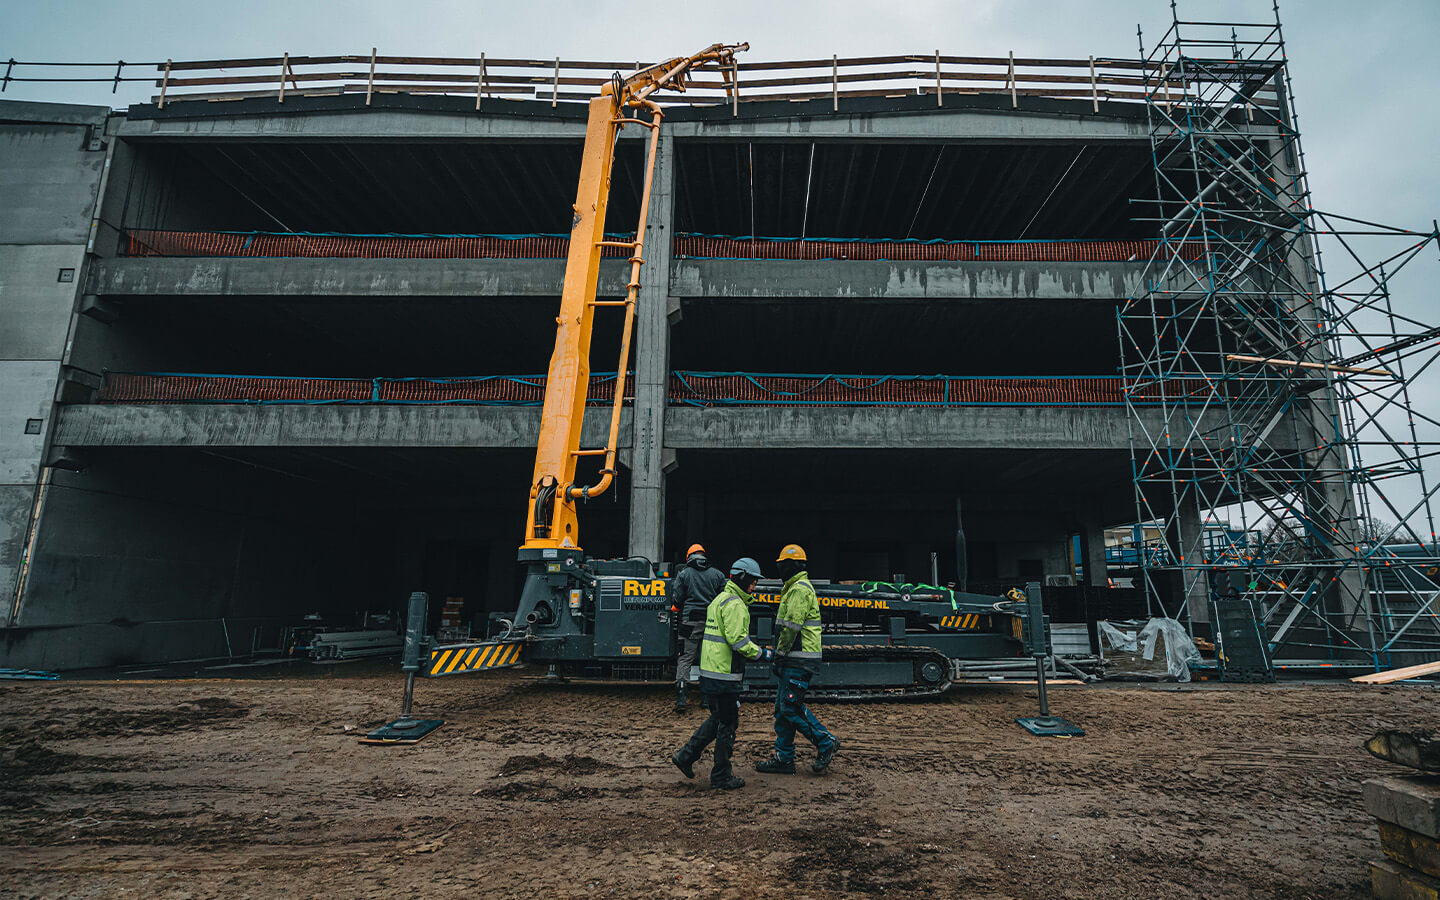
(1293, 479)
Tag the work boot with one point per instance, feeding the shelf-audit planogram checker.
(721, 774)
(776, 766)
(729, 784)
(686, 767)
(825, 756)
(680, 696)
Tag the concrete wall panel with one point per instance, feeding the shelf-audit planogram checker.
(47, 183)
(27, 392)
(15, 508)
(36, 304)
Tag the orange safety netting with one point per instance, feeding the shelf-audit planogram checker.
(356, 246)
(686, 388)
(742, 389)
(500, 390)
(145, 242)
(705, 247)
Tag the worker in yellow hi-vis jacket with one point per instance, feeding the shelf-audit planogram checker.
(797, 659)
(723, 652)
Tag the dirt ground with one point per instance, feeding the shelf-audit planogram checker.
(256, 786)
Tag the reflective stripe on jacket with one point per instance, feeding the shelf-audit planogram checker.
(797, 623)
(727, 635)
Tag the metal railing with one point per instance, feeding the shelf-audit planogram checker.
(560, 80)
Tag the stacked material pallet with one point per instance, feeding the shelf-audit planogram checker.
(336, 645)
(1407, 810)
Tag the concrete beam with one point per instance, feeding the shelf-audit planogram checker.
(694, 278)
(689, 279)
(238, 425)
(353, 124)
(936, 124)
(189, 276)
(1101, 428)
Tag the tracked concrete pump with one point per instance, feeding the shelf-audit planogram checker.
(593, 618)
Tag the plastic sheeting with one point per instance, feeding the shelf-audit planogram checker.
(1162, 649)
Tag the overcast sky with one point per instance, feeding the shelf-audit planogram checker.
(1364, 72)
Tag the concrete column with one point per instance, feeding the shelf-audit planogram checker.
(1092, 547)
(1328, 499)
(648, 458)
(1187, 542)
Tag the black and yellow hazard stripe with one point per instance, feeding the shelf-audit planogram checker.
(472, 658)
(966, 620)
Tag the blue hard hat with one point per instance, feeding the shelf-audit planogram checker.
(745, 566)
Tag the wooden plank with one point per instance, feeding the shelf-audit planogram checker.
(1410, 849)
(1394, 675)
(1412, 802)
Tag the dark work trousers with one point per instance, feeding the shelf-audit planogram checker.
(687, 658)
(792, 715)
(719, 727)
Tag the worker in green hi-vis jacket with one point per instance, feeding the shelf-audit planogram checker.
(797, 660)
(723, 652)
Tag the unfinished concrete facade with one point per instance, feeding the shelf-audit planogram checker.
(166, 530)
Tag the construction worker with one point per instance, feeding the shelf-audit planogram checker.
(797, 659)
(695, 585)
(723, 652)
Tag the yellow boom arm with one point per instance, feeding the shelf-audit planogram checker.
(551, 519)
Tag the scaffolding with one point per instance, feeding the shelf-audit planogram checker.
(1304, 431)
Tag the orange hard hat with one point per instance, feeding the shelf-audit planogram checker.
(792, 551)
(694, 549)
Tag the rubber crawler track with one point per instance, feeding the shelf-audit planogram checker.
(839, 694)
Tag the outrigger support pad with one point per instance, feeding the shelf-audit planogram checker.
(1043, 725)
(406, 730)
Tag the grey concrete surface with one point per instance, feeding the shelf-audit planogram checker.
(689, 278)
(236, 425)
(686, 428)
(693, 278)
(937, 124)
(652, 364)
(28, 393)
(36, 304)
(221, 277)
(303, 121)
(16, 503)
(1102, 428)
(49, 177)
(356, 124)
(41, 113)
(47, 182)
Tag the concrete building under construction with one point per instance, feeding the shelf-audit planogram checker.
(278, 350)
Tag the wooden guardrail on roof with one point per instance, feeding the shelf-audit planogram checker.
(563, 81)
